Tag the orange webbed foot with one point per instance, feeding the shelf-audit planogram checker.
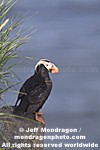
(38, 117)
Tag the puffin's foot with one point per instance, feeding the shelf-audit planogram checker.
(39, 113)
(39, 118)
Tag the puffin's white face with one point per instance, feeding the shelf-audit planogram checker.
(50, 66)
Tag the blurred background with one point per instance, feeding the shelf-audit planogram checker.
(67, 32)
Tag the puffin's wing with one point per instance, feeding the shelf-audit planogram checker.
(21, 94)
(37, 98)
(29, 84)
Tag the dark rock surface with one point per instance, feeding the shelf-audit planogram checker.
(12, 125)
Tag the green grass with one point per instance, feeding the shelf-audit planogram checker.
(9, 44)
(6, 115)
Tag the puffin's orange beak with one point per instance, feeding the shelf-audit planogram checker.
(54, 69)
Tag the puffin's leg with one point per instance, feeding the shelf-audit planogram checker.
(39, 113)
(39, 118)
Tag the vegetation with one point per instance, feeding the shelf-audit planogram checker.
(9, 43)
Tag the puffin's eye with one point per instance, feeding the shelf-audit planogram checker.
(46, 64)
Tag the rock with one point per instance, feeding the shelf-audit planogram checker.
(14, 131)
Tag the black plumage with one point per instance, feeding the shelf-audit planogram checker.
(35, 91)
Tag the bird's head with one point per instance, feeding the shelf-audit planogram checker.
(50, 67)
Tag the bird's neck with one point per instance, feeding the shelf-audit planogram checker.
(44, 76)
(47, 79)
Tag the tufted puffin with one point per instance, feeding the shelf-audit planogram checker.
(35, 91)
